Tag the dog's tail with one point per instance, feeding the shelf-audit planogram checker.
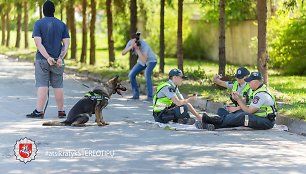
(53, 123)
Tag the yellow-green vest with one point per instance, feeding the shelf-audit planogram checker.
(264, 110)
(246, 90)
(160, 104)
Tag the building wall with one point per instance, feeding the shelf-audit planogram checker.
(240, 38)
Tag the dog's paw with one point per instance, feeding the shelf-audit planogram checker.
(105, 123)
(100, 124)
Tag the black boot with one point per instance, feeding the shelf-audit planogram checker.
(201, 125)
(216, 119)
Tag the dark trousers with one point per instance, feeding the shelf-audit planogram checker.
(238, 118)
(172, 114)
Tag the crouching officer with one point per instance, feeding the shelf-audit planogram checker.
(169, 104)
(260, 114)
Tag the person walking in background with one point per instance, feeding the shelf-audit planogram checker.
(146, 61)
(52, 41)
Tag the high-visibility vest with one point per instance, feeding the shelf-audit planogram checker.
(264, 110)
(160, 104)
(246, 91)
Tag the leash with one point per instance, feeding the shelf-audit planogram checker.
(47, 102)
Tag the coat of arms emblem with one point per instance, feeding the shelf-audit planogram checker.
(25, 150)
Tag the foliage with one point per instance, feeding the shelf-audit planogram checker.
(235, 10)
(287, 38)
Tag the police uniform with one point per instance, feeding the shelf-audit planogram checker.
(244, 89)
(263, 118)
(164, 110)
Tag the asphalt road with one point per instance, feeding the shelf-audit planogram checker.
(128, 145)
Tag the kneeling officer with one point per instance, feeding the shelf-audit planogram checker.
(169, 104)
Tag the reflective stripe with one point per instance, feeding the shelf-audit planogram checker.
(264, 110)
(160, 104)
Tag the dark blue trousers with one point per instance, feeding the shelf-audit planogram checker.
(237, 119)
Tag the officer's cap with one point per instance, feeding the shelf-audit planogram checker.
(242, 72)
(176, 72)
(254, 76)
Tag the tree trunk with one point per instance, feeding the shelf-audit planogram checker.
(111, 52)
(40, 9)
(162, 37)
(262, 55)
(61, 9)
(84, 32)
(72, 30)
(3, 28)
(19, 14)
(8, 25)
(26, 24)
(133, 27)
(180, 61)
(92, 60)
(222, 55)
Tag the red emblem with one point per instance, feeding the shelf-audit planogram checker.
(25, 150)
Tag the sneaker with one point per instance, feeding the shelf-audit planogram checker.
(61, 114)
(35, 114)
(200, 125)
(134, 98)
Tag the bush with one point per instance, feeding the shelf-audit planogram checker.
(287, 43)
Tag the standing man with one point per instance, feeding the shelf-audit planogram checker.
(146, 61)
(169, 104)
(52, 41)
(260, 114)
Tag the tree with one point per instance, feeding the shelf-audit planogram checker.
(92, 59)
(3, 21)
(40, 4)
(84, 32)
(262, 54)
(111, 52)
(18, 5)
(162, 37)
(133, 27)
(222, 53)
(71, 24)
(8, 24)
(180, 61)
(26, 24)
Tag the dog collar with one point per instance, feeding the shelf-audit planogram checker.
(95, 96)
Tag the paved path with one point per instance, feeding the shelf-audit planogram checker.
(128, 147)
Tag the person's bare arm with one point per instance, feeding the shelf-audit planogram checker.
(142, 56)
(43, 50)
(243, 106)
(218, 81)
(126, 50)
(64, 51)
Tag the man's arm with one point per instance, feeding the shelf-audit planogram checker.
(59, 61)
(142, 56)
(43, 50)
(218, 81)
(242, 105)
(127, 49)
(65, 47)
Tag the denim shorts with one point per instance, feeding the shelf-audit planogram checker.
(44, 73)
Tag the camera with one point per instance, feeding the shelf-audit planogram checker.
(137, 39)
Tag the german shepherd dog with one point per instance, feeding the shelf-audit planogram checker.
(91, 104)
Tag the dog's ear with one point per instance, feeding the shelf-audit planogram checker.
(114, 80)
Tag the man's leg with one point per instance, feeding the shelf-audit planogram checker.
(148, 77)
(260, 123)
(42, 94)
(132, 76)
(59, 98)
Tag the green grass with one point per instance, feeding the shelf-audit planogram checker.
(290, 91)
